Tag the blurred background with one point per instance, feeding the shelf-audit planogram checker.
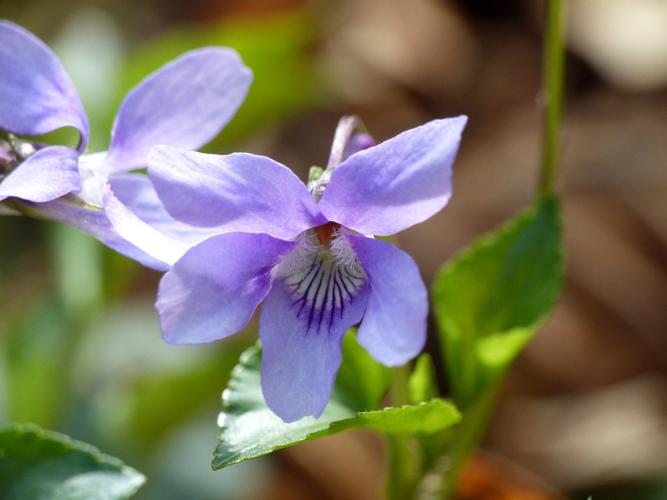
(584, 409)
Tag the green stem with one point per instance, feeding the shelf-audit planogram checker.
(403, 467)
(400, 389)
(554, 73)
(466, 438)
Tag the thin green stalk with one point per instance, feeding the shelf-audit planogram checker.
(403, 467)
(554, 74)
(465, 438)
(400, 389)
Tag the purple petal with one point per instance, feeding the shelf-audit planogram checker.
(358, 142)
(93, 221)
(139, 233)
(394, 327)
(184, 104)
(137, 193)
(302, 324)
(36, 95)
(213, 290)
(48, 174)
(396, 184)
(237, 192)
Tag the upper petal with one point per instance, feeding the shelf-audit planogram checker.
(237, 192)
(213, 290)
(36, 95)
(48, 174)
(398, 183)
(394, 327)
(185, 104)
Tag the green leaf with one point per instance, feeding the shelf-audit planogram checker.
(250, 429)
(38, 464)
(490, 299)
(425, 417)
(422, 385)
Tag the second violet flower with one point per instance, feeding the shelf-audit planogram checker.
(185, 103)
(306, 253)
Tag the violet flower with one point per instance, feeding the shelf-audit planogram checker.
(305, 254)
(185, 103)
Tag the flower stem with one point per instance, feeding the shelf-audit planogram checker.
(403, 469)
(554, 73)
(400, 392)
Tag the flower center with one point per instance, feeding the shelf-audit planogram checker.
(323, 276)
(327, 232)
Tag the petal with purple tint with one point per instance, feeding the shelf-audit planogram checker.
(358, 142)
(139, 233)
(237, 192)
(48, 174)
(184, 104)
(36, 95)
(398, 183)
(136, 192)
(213, 290)
(393, 330)
(93, 221)
(313, 302)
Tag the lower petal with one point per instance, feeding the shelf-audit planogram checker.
(214, 289)
(50, 173)
(393, 330)
(302, 324)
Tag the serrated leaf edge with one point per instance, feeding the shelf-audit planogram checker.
(331, 429)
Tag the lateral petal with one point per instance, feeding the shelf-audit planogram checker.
(213, 290)
(393, 330)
